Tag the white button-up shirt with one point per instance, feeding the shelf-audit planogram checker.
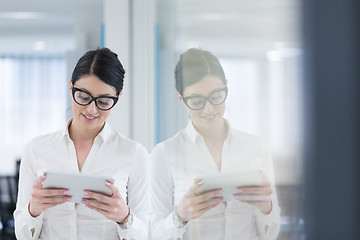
(174, 164)
(111, 155)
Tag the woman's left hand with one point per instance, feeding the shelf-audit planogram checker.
(113, 207)
(257, 196)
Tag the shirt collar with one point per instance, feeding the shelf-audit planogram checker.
(191, 131)
(104, 133)
(194, 134)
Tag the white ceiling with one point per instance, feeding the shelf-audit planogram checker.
(26, 26)
(228, 27)
(239, 27)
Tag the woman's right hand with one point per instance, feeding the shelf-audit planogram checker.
(193, 206)
(42, 199)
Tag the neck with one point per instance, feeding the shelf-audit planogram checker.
(213, 133)
(79, 134)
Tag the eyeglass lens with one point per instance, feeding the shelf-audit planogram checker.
(198, 102)
(83, 98)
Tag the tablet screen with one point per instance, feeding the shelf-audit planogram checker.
(229, 182)
(77, 183)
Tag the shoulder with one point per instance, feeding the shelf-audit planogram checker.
(172, 143)
(126, 144)
(241, 137)
(46, 139)
(42, 143)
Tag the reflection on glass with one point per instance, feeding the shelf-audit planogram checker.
(211, 181)
(257, 44)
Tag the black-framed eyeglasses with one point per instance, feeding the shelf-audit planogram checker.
(84, 98)
(198, 102)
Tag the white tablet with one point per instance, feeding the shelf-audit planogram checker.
(77, 183)
(229, 182)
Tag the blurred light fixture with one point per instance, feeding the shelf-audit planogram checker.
(274, 55)
(21, 15)
(281, 51)
(39, 45)
(193, 45)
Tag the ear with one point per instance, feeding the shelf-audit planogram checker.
(120, 94)
(70, 85)
(180, 97)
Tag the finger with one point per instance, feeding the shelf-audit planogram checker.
(194, 187)
(202, 211)
(96, 204)
(99, 210)
(38, 182)
(51, 200)
(115, 191)
(210, 203)
(50, 192)
(255, 190)
(206, 196)
(253, 198)
(265, 179)
(98, 196)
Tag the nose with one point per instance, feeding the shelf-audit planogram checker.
(208, 108)
(91, 108)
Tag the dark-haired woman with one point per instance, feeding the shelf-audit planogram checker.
(209, 146)
(89, 146)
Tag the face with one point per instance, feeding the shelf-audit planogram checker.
(210, 115)
(89, 116)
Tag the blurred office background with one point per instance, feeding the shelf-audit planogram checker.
(259, 44)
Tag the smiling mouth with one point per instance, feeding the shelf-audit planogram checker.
(209, 117)
(88, 117)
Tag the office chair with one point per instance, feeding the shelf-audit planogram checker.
(8, 197)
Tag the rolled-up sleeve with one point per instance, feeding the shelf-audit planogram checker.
(26, 226)
(138, 196)
(268, 225)
(162, 202)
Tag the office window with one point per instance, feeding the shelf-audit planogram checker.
(32, 100)
(264, 98)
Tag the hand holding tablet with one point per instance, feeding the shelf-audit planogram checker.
(42, 199)
(76, 183)
(229, 182)
(96, 192)
(193, 206)
(259, 196)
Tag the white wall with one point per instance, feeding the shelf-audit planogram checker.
(129, 31)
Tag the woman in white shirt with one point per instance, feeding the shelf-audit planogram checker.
(208, 146)
(86, 145)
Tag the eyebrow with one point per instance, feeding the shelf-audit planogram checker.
(88, 92)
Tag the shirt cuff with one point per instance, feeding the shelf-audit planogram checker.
(268, 225)
(138, 230)
(174, 230)
(33, 225)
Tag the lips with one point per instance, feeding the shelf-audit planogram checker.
(89, 118)
(209, 116)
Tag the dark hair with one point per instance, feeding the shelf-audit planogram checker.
(194, 65)
(104, 64)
